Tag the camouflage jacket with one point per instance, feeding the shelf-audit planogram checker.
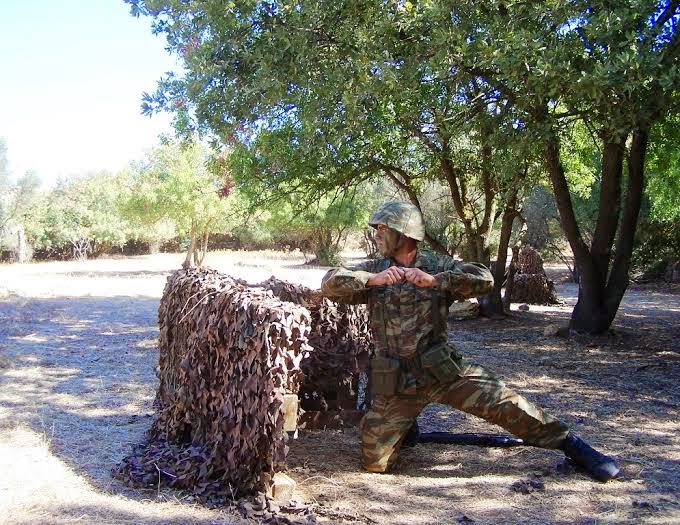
(407, 319)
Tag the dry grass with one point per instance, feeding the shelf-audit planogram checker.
(39, 487)
(77, 359)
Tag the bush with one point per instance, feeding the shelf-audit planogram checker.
(657, 244)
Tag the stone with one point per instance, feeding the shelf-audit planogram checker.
(290, 412)
(551, 330)
(283, 488)
(464, 310)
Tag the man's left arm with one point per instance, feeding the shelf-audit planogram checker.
(465, 280)
(462, 280)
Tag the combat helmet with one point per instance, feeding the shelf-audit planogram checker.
(402, 217)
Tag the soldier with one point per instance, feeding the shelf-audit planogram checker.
(408, 293)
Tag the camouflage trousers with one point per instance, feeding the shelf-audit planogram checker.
(474, 390)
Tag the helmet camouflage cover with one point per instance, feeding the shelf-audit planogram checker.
(402, 217)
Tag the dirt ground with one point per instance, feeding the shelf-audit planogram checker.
(77, 359)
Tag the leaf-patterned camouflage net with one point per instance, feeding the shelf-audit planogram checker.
(340, 337)
(228, 353)
(531, 283)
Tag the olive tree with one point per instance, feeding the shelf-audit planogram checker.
(184, 184)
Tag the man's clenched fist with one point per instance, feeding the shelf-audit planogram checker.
(395, 274)
(419, 278)
(392, 275)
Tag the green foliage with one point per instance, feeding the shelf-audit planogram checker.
(315, 97)
(658, 237)
(181, 184)
(174, 183)
(14, 198)
(657, 244)
(4, 171)
(320, 229)
(80, 214)
(581, 160)
(17, 201)
(663, 167)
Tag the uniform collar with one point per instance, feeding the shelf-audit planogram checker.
(421, 260)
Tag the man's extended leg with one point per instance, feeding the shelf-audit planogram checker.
(383, 429)
(482, 393)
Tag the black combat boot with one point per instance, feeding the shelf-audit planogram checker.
(599, 466)
(412, 436)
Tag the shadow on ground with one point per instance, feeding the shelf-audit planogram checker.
(81, 372)
(116, 273)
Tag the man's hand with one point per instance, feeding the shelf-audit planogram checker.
(392, 275)
(395, 274)
(419, 278)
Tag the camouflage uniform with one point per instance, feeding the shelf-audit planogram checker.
(407, 320)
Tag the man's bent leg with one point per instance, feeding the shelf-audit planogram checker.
(480, 392)
(383, 429)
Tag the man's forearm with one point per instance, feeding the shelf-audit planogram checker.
(343, 285)
(470, 280)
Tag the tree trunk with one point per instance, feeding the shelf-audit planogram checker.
(475, 244)
(618, 276)
(475, 248)
(491, 305)
(587, 315)
(602, 284)
(202, 250)
(608, 210)
(192, 246)
(510, 283)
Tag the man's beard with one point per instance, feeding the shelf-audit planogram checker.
(391, 241)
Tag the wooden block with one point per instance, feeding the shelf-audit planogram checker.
(283, 487)
(329, 419)
(290, 412)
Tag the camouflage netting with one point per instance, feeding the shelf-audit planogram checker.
(672, 273)
(531, 285)
(340, 338)
(228, 354)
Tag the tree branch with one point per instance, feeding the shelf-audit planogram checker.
(618, 278)
(563, 199)
(668, 13)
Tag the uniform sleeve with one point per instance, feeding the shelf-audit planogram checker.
(464, 280)
(347, 285)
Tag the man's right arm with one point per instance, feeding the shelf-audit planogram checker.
(348, 285)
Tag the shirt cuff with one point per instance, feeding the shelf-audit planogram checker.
(363, 276)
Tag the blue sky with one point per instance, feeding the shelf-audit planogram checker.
(72, 73)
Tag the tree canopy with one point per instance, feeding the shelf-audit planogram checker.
(179, 183)
(325, 95)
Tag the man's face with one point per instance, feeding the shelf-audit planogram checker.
(387, 239)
